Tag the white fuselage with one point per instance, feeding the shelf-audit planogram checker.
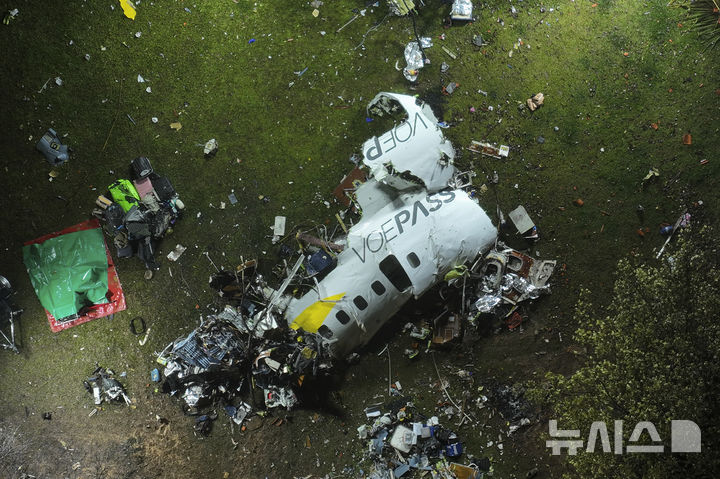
(400, 251)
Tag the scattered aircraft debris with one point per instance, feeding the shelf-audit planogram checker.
(420, 226)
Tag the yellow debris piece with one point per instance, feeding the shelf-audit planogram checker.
(314, 315)
(128, 9)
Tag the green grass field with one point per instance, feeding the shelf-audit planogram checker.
(610, 71)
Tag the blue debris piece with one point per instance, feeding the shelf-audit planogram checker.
(401, 469)
(378, 442)
(155, 375)
(50, 145)
(318, 262)
(453, 450)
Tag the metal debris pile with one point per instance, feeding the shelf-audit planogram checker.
(507, 278)
(104, 387)
(237, 349)
(401, 442)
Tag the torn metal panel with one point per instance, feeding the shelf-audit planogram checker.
(372, 196)
(413, 153)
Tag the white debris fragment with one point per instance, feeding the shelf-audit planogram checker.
(148, 89)
(279, 227)
(211, 146)
(175, 254)
(140, 79)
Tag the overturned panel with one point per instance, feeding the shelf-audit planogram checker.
(413, 153)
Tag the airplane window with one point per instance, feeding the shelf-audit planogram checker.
(413, 260)
(378, 287)
(360, 302)
(342, 316)
(394, 272)
(325, 332)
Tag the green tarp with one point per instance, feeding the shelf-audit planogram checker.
(69, 271)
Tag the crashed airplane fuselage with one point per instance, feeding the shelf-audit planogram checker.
(415, 228)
